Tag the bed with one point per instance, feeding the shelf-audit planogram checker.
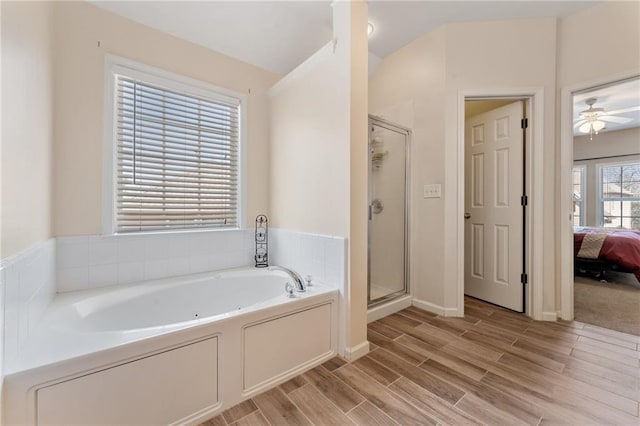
(598, 250)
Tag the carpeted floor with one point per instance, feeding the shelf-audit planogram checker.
(614, 304)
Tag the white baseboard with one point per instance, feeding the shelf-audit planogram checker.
(549, 316)
(435, 309)
(388, 308)
(357, 351)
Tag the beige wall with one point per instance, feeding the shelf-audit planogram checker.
(318, 134)
(407, 88)
(27, 132)
(515, 53)
(621, 145)
(83, 35)
(418, 87)
(309, 133)
(359, 83)
(601, 41)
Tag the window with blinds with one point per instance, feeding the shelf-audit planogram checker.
(620, 196)
(176, 158)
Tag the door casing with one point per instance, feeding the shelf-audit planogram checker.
(534, 97)
(564, 214)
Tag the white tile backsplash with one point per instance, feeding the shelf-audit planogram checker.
(72, 252)
(130, 272)
(130, 249)
(97, 261)
(72, 279)
(28, 284)
(321, 256)
(103, 275)
(102, 251)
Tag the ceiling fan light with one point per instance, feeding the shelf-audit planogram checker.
(585, 128)
(598, 125)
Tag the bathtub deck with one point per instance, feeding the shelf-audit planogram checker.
(492, 367)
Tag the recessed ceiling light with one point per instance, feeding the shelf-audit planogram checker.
(370, 29)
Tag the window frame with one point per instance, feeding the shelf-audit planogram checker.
(115, 64)
(601, 200)
(583, 192)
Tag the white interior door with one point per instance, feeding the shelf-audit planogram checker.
(494, 150)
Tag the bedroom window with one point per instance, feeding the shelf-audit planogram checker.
(620, 196)
(176, 153)
(578, 195)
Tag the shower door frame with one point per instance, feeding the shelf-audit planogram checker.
(381, 122)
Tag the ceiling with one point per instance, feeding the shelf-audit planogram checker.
(618, 98)
(273, 35)
(279, 35)
(400, 22)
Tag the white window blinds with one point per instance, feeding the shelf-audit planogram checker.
(176, 160)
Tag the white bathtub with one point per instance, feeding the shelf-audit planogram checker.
(187, 347)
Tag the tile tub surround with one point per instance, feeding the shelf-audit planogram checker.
(27, 282)
(96, 261)
(320, 256)
(85, 262)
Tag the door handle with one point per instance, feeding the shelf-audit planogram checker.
(467, 215)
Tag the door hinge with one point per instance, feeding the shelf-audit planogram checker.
(524, 200)
(523, 278)
(524, 123)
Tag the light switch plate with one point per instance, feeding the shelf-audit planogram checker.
(432, 191)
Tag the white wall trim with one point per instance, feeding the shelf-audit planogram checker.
(549, 316)
(564, 209)
(435, 309)
(388, 308)
(534, 190)
(357, 351)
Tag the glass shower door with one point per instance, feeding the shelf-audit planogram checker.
(388, 154)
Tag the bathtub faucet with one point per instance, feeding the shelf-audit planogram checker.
(297, 279)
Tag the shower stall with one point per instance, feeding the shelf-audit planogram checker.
(388, 211)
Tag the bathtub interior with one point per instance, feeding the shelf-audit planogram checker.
(165, 302)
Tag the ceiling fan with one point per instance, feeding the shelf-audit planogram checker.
(593, 120)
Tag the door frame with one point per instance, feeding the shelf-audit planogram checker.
(534, 98)
(381, 122)
(564, 214)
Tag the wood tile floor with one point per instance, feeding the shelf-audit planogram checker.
(493, 367)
